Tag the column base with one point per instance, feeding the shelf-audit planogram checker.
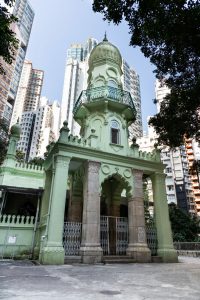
(52, 255)
(91, 254)
(140, 252)
(168, 255)
(36, 252)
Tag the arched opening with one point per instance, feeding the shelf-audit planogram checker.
(112, 83)
(114, 215)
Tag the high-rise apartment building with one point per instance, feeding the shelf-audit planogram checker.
(10, 81)
(5, 82)
(29, 91)
(178, 179)
(39, 128)
(75, 52)
(131, 83)
(161, 91)
(75, 80)
(193, 157)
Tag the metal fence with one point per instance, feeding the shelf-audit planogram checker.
(72, 237)
(111, 93)
(152, 238)
(113, 236)
(188, 246)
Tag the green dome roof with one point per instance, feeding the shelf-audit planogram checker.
(15, 129)
(105, 50)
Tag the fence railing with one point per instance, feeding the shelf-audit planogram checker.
(188, 246)
(114, 235)
(16, 236)
(72, 237)
(108, 92)
(16, 220)
(152, 238)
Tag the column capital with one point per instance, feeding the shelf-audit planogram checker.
(93, 166)
(62, 161)
(137, 172)
(158, 176)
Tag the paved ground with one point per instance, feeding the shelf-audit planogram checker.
(25, 281)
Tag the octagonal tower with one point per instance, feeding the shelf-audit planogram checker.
(104, 111)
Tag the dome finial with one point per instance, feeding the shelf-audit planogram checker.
(105, 38)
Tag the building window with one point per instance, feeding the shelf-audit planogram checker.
(170, 187)
(115, 132)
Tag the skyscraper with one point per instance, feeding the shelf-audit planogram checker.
(75, 80)
(25, 14)
(131, 83)
(39, 128)
(29, 91)
(193, 157)
(178, 178)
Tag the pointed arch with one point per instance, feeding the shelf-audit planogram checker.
(121, 179)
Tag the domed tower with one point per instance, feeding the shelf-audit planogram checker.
(104, 111)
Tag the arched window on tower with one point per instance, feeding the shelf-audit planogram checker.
(115, 132)
(112, 83)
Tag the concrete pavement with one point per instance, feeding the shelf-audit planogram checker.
(24, 281)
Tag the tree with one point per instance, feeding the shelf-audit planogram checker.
(185, 228)
(4, 128)
(20, 156)
(8, 41)
(168, 33)
(37, 161)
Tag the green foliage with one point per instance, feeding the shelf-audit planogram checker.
(20, 156)
(185, 228)
(168, 33)
(37, 161)
(3, 139)
(8, 41)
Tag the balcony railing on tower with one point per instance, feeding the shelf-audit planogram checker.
(105, 92)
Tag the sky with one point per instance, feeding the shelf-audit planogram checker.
(58, 24)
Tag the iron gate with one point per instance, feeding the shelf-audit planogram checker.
(152, 238)
(72, 237)
(114, 235)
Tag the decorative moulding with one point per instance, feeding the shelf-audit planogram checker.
(127, 173)
(116, 147)
(105, 169)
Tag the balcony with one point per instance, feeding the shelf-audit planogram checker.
(195, 184)
(105, 93)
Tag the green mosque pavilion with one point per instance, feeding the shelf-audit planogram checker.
(87, 202)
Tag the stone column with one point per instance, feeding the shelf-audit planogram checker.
(164, 234)
(53, 252)
(46, 194)
(91, 251)
(137, 247)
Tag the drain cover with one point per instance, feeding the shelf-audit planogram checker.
(110, 292)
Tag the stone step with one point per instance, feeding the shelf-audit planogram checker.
(118, 259)
(156, 259)
(72, 259)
